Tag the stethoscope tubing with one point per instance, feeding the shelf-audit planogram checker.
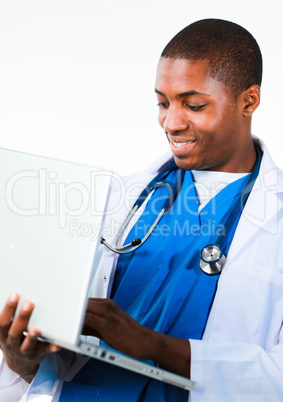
(125, 249)
(156, 183)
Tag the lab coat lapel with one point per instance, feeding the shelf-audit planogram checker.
(264, 202)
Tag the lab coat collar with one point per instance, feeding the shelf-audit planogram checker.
(263, 204)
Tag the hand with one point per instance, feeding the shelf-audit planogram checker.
(21, 353)
(107, 321)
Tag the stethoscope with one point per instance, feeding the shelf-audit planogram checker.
(212, 257)
(157, 182)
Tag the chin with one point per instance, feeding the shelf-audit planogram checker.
(184, 164)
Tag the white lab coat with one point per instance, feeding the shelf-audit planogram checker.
(240, 357)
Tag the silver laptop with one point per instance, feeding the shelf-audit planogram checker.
(51, 216)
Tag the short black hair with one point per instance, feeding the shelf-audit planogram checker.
(233, 53)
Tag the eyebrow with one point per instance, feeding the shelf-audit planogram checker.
(183, 94)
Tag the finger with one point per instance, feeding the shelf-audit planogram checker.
(7, 313)
(96, 325)
(88, 326)
(102, 307)
(9, 309)
(99, 300)
(20, 323)
(32, 344)
(31, 341)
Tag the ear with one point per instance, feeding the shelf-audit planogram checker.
(250, 100)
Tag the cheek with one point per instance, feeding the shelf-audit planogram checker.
(206, 120)
(210, 126)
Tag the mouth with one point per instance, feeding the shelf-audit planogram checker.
(181, 148)
(180, 144)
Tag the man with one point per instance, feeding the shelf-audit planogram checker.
(224, 331)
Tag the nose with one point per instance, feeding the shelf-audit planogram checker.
(174, 120)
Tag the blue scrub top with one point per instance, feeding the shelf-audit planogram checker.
(162, 286)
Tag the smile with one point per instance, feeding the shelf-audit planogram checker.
(180, 144)
(181, 149)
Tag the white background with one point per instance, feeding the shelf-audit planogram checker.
(77, 76)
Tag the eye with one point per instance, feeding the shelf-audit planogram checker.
(195, 108)
(163, 105)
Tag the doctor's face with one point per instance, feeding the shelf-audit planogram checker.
(202, 120)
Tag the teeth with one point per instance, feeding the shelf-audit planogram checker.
(179, 144)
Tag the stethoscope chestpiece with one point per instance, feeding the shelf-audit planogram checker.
(212, 260)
